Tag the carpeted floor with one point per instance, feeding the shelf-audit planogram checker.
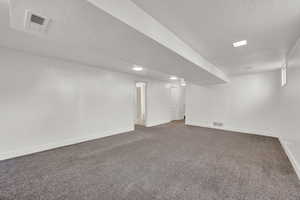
(171, 161)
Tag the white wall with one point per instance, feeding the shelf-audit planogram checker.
(253, 104)
(158, 96)
(181, 100)
(47, 103)
(248, 104)
(140, 103)
(178, 102)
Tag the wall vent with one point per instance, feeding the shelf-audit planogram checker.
(218, 124)
(36, 23)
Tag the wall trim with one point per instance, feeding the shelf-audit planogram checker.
(230, 129)
(157, 123)
(291, 156)
(66, 142)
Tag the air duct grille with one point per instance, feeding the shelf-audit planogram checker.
(218, 124)
(37, 19)
(36, 23)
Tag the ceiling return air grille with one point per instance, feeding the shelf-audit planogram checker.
(36, 23)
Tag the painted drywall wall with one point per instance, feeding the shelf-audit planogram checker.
(246, 104)
(181, 102)
(252, 104)
(140, 103)
(178, 102)
(158, 96)
(159, 101)
(288, 125)
(47, 103)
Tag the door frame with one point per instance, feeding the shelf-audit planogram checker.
(145, 101)
(174, 114)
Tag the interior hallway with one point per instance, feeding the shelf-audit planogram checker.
(171, 161)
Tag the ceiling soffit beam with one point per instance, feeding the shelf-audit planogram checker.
(132, 15)
(285, 63)
(291, 52)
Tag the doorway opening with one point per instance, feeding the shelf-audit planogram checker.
(140, 103)
(177, 105)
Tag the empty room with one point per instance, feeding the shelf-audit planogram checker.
(149, 100)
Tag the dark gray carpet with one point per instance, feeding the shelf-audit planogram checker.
(171, 161)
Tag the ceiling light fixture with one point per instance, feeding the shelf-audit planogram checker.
(173, 78)
(182, 82)
(240, 43)
(137, 68)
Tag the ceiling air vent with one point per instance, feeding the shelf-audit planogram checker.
(36, 23)
(37, 19)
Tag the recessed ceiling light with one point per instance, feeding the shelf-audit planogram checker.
(173, 78)
(182, 82)
(137, 68)
(240, 43)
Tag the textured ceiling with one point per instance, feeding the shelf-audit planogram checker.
(83, 33)
(270, 26)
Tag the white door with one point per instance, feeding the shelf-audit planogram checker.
(174, 103)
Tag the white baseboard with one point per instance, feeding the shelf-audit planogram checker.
(230, 129)
(291, 157)
(157, 124)
(45, 147)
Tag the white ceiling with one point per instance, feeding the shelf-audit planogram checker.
(88, 34)
(293, 59)
(82, 32)
(211, 26)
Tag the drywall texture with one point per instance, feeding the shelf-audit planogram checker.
(162, 105)
(47, 103)
(247, 104)
(181, 102)
(253, 104)
(158, 97)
